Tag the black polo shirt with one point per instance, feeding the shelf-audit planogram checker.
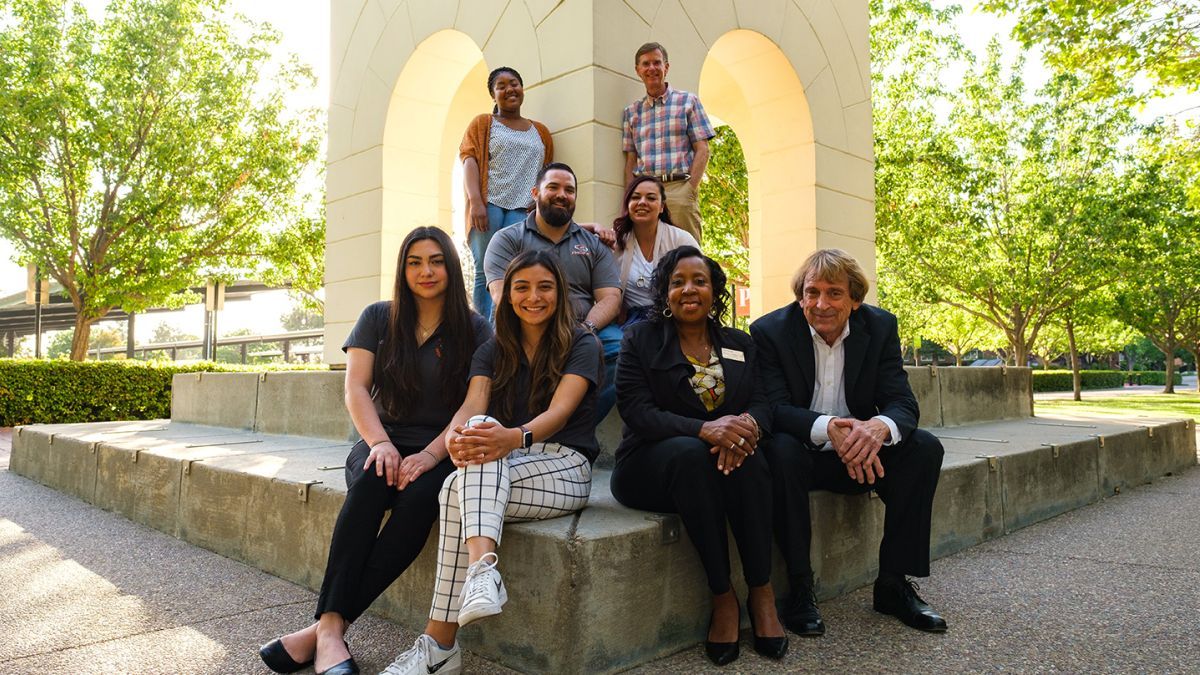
(431, 413)
(585, 359)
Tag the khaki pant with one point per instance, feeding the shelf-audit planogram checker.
(684, 204)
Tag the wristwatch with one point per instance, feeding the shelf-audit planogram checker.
(591, 327)
(526, 437)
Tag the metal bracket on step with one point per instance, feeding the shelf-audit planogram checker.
(187, 466)
(135, 455)
(669, 525)
(1054, 451)
(51, 437)
(992, 460)
(933, 371)
(1003, 370)
(302, 491)
(1100, 439)
(93, 446)
(1151, 431)
(262, 377)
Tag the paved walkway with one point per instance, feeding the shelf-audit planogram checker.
(1111, 587)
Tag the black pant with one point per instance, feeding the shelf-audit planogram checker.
(363, 559)
(678, 475)
(911, 471)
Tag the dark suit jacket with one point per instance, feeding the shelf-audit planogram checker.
(654, 394)
(875, 381)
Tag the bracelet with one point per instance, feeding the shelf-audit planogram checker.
(435, 459)
(376, 443)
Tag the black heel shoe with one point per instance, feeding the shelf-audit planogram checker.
(723, 653)
(770, 647)
(277, 659)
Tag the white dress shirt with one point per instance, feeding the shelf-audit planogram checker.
(829, 389)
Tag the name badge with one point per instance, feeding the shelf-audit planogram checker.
(733, 354)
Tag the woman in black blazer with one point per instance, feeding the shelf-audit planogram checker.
(686, 390)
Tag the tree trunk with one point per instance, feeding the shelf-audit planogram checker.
(1195, 357)
(79, 341)
(1170, 344)
(1076, 379)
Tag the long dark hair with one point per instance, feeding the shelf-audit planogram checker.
(400, 386)
(661, 283)
(492, 82)
(552, 352)
(623, 225)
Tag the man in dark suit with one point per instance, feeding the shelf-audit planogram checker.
(845, 420)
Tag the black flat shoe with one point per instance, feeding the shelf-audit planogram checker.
(277, 659)
(770, 647)
(347, 667)
(722, 653)
(898, 597)
(799, 613)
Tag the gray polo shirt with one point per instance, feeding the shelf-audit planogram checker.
(586, 263)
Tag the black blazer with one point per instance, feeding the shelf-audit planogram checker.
(654, 392)
(875, 381)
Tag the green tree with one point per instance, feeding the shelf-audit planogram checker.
(1161, 285)
(1006, 209)
(724, 206)
(960, 332)
(1113, 41)
(301, 318)
(294, 258)
(143, 152)
(60, 344)
(165, 332)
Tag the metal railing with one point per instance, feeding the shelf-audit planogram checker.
(285, 341)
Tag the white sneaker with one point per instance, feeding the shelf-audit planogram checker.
(427, 657)
(483, 592)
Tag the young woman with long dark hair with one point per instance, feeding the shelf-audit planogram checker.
(406, 375)
(523, 441)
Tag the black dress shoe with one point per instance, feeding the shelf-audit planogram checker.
(277, 659)
(722, 653)
(770, 647)
(799, 613)
(896, 595)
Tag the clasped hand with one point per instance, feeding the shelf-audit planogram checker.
(733, 438)
(482, 443)
(398, 471)
(857, 443)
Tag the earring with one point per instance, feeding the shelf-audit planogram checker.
(667, 312)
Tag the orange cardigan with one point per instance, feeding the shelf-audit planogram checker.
(475, 144)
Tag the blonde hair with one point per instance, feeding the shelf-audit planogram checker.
(832, 265)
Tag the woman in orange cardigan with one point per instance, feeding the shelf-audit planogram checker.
(502, 153)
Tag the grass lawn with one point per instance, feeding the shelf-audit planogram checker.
(1185, 404)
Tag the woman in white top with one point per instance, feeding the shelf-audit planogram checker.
(644, 235)
(502, 154)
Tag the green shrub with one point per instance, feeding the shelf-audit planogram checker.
(1060, 380)
(1158, 377)
(49, 392)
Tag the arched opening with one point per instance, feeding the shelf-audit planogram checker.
(748, 83)
(442, 86)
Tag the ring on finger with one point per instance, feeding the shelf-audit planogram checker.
(741, 442)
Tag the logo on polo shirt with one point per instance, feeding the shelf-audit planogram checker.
(580, 249)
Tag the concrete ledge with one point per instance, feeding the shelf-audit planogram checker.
(219, 399)
(271, 501)
(971, 395)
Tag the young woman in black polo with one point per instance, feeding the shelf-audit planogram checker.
(406, 375)
(523, 442)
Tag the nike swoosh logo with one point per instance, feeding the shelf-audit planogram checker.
(438, 666)
(499, 585)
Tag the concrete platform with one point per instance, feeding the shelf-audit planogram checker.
(271, 500)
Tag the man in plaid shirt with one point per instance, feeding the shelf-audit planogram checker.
(665, 134)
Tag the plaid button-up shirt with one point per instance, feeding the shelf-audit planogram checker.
(662, 130)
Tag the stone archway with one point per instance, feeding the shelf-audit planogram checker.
(791, 77)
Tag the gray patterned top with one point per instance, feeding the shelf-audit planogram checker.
(514, 160)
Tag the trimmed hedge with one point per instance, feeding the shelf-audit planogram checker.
(1060, 380)
(56, 391)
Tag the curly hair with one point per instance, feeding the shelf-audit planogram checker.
(661, 283)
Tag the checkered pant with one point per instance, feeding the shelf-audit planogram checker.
(545, 481)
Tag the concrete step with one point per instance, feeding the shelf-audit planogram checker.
(578, 582)
(311, 403)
